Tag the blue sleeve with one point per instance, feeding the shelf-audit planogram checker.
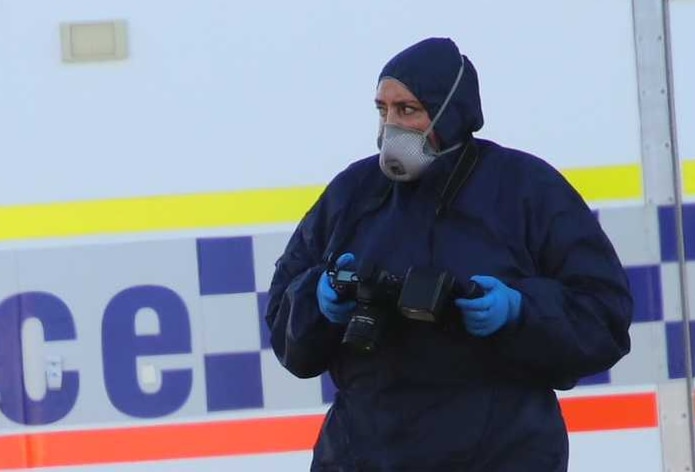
(301, 337)
(576, 314)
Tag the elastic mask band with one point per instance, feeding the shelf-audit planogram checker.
(446, 100)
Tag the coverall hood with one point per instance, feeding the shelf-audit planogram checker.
(429, 69)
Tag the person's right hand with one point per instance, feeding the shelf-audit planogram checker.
(336, 310)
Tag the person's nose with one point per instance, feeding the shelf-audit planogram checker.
(388, 119)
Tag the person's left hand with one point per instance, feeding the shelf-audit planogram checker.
(485, 315)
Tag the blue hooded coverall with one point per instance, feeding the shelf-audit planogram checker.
(436, 400)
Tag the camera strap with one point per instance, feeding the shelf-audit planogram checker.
(462, 170)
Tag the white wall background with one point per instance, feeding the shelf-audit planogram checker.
(682, 14)
(220, 95)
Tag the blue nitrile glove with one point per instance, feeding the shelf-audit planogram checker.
(485, 315)
(337, 311)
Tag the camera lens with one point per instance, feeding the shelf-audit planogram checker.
(363, 331)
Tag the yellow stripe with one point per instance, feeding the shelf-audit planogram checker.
(156, 213)
(607, 183)
(689, 177)
(216, 210)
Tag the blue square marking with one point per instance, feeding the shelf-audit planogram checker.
(667, 232)
(233, 381)
(262, 299)
(675, 348)
(225, 265)
(328, 388)
(596, 379)
(645, 285)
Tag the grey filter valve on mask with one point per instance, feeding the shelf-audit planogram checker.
(405, 153)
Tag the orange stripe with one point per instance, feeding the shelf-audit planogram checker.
(610, 412)
(146, 443)
(264, 435)
(13, 452)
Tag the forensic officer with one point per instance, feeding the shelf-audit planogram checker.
(555, 304)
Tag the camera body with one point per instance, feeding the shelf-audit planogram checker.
(423, 294)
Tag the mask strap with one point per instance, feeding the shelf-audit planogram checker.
(446, 100)
(452, 148)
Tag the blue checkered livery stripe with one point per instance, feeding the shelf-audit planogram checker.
(644, 237)
(226, 267)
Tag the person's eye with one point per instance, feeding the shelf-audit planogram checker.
(408, 110)
(381, 110)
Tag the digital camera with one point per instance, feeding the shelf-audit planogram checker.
(423, 294)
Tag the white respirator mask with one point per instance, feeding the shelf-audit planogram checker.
(405, 153)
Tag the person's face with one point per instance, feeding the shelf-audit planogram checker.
(398, 106)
